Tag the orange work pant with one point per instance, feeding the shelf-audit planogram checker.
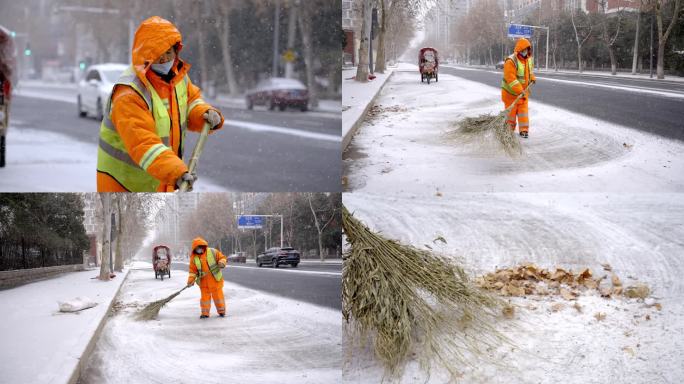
(521, 112)
(215, 292)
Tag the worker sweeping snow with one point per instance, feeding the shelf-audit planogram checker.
(152, 104)
(517, 75)
(206, 264)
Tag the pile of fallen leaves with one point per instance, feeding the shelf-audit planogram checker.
(528, 279)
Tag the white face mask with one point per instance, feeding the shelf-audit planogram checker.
(163, 69)
(523, 53)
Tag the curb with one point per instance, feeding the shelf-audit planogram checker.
(87, 352)
(352, 131)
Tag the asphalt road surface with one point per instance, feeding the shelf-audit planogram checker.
(596, 96)
(256, 151)
(315, 284)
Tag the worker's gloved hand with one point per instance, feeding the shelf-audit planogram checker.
(533, 81)
(190, 283)
(212, 117)
(221, 264)
(190, 178)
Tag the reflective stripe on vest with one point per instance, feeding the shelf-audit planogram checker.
(520, 74)
(211, 262)
(112, 156)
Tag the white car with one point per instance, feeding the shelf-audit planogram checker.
(96, 86)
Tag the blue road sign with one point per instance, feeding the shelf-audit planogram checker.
(518, 30)
(250, 222)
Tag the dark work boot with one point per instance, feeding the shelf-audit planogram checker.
(203, 316)
(222, 314)
(523, 135)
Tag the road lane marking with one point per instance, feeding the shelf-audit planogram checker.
(292, 270)
(653, 91)
(283, 130)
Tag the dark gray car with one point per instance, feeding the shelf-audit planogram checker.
(276, 256)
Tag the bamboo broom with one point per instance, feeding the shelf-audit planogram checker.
(150, 311)
(401, 298)
(194, 159)
(505, 137)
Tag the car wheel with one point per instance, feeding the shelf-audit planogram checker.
(304, 108)
(282, 107)
(271, 104)
(436, 77)
(294, 265)
(275, 263)
(156, 275)
(161, 275)
(422, 78)
(250, 104)
(258, 265)
(100, 112)
(81, 113)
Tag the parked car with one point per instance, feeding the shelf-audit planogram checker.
(499, 65)
(95, 87)
(239, 257)
(276, 256)
(279, 92)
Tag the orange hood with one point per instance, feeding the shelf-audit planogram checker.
(154, 37)
(520, 45)
(198, 242)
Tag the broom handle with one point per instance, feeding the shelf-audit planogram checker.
(509, 109)
(194, 159)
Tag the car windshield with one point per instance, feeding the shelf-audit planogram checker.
(111, 75)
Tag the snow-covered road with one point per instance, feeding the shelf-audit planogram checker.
(263, 339)
(640, 235)
(408, 146)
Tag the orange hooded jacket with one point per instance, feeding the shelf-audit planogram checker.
(134, 121)
(208, 280)
(510, 72)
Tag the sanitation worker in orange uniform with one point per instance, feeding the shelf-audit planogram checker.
(517, 76)
(205, 269)
(144, 123)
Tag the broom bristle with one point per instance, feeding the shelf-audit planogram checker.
(151, 311)
(402, 297)
(487, 125)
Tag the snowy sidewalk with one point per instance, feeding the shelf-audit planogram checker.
(357, 98)
(262, 339)
(554, 341)
(412, 146)
(42, 345)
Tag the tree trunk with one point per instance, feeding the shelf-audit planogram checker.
(660, 69)
(118, 260)
(362, 68)
(224, 36)
(613, 64)
(106, 199)
(305, 29)
(291, 37)
(579, 58)
(635, 54)
(380, 62)
(200, 46)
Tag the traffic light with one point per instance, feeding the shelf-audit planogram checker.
(27, 51)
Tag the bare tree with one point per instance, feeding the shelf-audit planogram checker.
(320, 228)
(608, 37)
(664, 35)
(224, 8)
(304, 16)
(579, 39)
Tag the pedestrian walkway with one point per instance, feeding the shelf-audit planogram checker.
(42, 345)
(357, 98)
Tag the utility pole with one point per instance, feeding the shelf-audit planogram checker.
(276, 35)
